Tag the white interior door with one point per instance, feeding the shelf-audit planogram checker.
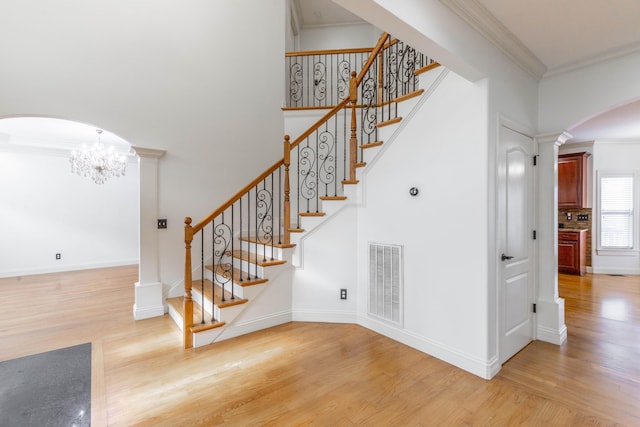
(515, 222)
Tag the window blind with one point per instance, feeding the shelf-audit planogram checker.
(616, 212)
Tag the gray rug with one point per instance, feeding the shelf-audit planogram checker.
(47, 389)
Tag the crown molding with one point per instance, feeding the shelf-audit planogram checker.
(481, 20)
(148, 152)
(607, 56)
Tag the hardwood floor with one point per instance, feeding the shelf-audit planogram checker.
(326, 374)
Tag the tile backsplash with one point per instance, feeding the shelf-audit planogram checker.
(574, 223)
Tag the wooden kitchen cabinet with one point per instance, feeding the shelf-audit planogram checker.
(572, 180)
(572, 251)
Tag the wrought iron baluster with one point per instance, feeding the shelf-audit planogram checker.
(241, 227)
(272, 215)
(335, 157)
(233, 241)
(202, 275)
(280, 202)
(248, 231)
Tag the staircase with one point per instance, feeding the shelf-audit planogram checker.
(255, 238)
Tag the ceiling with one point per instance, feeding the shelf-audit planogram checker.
(40, 133)
(590, 31)
(555, 35)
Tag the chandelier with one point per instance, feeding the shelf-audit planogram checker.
(97, 162)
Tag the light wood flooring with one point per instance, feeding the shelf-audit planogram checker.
(326, 374)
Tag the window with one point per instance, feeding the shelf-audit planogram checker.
(616, 211)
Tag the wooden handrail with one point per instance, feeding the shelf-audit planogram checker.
(374, 53)
(199, 226)
(329, 52)
(320, 122)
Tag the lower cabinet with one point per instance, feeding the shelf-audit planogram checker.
(572, 252)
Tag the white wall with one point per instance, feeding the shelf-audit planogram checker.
(330, 256)
(443, 230)
(46, 210)
(338, 37)
(570, 98)
(200, 79)
(615, 156)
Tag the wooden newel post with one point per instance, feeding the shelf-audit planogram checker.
(353, 142)
(187, 318)
(287, 190)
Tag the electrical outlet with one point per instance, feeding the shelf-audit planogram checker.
(583, 217)
(58, 256)
(343, 294)
(162, 223)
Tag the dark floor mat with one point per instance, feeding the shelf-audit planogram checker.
(47, 389)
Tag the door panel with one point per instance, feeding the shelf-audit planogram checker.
(515, 223)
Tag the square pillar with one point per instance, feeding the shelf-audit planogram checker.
(549, 306)
(148, 289)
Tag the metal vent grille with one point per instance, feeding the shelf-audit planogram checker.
(385, 282)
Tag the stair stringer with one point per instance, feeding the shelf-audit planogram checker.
(238, 319)
(269, 306)
(355, 192)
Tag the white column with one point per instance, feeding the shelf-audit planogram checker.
(549, 306)
(148, 288)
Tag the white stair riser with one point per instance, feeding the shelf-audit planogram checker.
(329, 207)
(176, 317)
(227, 314)
(200, 339)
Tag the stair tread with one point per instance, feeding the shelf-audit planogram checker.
(389, 122)
(252, 239)
(333, 197)
(427, 68)
(360, 165)
(311, 214)
(409, 95)
(217, 294)
(348, 181)
(239, 277)
(254, 259)
(296, 230)
(371, 145)
(197, 326)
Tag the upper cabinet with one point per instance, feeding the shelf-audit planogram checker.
(572, 180)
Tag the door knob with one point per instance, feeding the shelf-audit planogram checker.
(505, 257)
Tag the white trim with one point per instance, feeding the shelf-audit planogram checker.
(480, 19)
(606, 251)
(64, 268)
(486, 369)
(148, 312)
(148, 152)
(616, 270)
(607, 56)
(324, 316)
(551, 335)
(253, 325)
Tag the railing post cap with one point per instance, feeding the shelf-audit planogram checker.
(287, 137)
(353, 74)
(187, 220)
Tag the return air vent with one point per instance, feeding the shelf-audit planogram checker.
(385, 282)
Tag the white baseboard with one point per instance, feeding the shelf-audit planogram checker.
(551, 335)
(63, 268)
(325, 316)
(242, 328)
(622, 271)
(148, 312)
(486, 369)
